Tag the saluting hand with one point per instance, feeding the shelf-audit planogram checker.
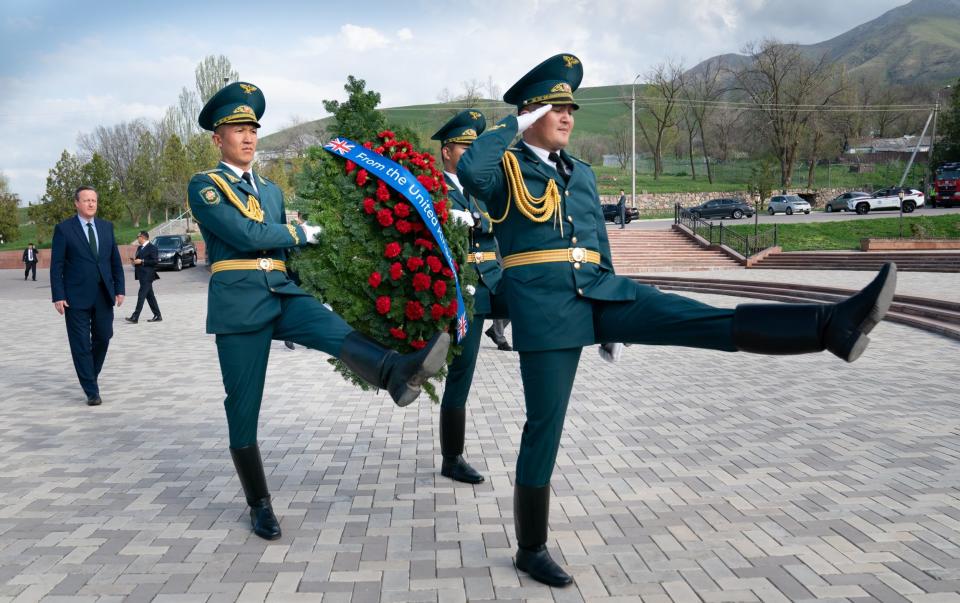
(525, 120)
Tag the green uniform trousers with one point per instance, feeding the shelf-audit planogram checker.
(243, 358)
(653, 318)
(460, 372)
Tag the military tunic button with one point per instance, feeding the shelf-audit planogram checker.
(576, 265)
(573, 240)
(567, 193)
(580, 291)
(570, 219)
(476, 244)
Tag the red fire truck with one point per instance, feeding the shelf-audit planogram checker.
(945, 184)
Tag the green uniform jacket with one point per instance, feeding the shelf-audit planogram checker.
(240, 301)
(550, 304)
(481, 239)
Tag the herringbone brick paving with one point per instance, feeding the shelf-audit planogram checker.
(684, 475)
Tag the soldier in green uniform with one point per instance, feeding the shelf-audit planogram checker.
(455, 137)
(252, 300)
(562, 293)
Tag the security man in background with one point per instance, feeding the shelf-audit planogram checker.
(562, 293)
(145, 272)
(455, 137)
(251, 299)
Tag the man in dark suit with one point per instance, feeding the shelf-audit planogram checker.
(30, 258)
(622, 209)
(86, 280)
(145, 272)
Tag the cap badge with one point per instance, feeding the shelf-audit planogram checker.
(475, 115)
(248, 88)
(243, 109)
(562, 87)
(570, 61)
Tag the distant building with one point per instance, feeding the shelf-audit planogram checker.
(890, 148)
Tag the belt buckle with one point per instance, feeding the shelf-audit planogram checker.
(478, 257)
(265, 264)
(576, 254)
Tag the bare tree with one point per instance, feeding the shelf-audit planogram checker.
(620, 127)
(701, 91)
(787, 88)
(212, 73)
(181, 118)
(119, 146)
(660, 98)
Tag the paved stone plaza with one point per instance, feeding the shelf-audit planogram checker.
(684, 475)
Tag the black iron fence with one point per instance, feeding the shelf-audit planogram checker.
(718, 234)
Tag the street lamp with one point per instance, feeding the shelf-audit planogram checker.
(756, 215)
(633, 142)
(900, 194)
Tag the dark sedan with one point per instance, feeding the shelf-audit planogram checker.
(722, 208)
(610, 213)
(175, 251)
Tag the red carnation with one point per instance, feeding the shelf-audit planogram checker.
(434, 263)
(387, 134)
(428, 183)
(402, 210)
(447, 272)
(362, 177)
(383, 193)
(428, 245)
(414, 264)
(421, 281)
(419, 227)
(398, 333)
(383, 304)
(392, 250)
(374, 279)
(437, 311)
(403, 227)
(368, 205)
(396, 270)
(385, 217)
(418, 344)
(414, 310)
(439, 288)
(350, 166)
(368, 145)
(452, 308)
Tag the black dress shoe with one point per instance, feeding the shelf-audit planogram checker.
(460, 470)
(132, 320)
(155, 319)
(541, 567)
(503, 346)
(94, 400)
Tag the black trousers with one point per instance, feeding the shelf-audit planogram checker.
(146, 293)
(30, 267)
(89, 331)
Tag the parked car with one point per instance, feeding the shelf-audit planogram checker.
(844, 202)
(175, 251)
(610, 213)
(889, 198)
(788, 204)
(722, 208)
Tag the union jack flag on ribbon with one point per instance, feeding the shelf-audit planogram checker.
(339, 146)
(461, 326)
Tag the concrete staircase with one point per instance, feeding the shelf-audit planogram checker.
(907, 261)
(637, 251)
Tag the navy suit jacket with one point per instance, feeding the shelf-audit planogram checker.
(148, 269)
(75, 274)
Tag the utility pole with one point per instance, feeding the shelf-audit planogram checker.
(633, 142)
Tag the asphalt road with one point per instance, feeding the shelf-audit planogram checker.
(814, 216)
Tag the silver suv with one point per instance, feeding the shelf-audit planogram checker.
(788, 204)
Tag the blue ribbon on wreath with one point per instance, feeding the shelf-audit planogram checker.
(401, 180)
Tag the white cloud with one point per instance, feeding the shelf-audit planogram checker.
(363, 38)
(405, 34)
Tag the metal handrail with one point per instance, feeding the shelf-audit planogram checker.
(745, 245)
(163, 228)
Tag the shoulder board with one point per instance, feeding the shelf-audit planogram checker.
(264, 180)
(210, 171)
(514, 149)
(578, 160)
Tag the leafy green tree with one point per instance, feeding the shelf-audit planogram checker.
(175, 172)
(143, 182)
(202, 154)
(947, 147)
(357, 118)
(762, 180)
(56, 205)
(9, 224)
(97, 173)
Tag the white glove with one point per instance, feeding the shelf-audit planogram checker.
(471, 289)
(527, 119)
(311, 231)
(611, 352)
(461, 216)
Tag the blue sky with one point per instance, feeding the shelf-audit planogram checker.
(66, 67)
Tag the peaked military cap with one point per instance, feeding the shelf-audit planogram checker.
(236, 103)
(552, 81)
(463, 128)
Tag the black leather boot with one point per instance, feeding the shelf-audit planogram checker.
(402, 375)
(840, 328)
(531, 510)
(250, 470)
(453, 422)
